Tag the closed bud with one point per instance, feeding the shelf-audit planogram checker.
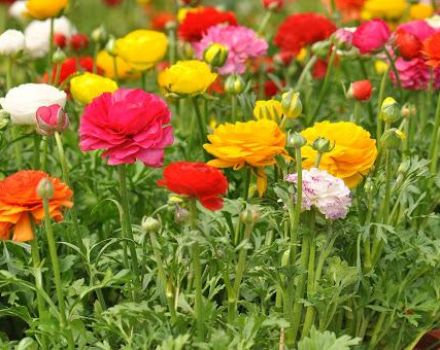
(51, 119)
(360, 90)
(270, 109)
(390, 110)
(234, 84)
(321, 48)
(181, 215)
(59, 56)
(285, 259)
(249, 216)
(45, 189)
(322, 145)
(369, 186)
(110, 47)
(273, 5)
(408, 110)
(296, 140)
(392, 139)
(291, 104)
(150, 224)
(343, 38)
(5, 118)
(99, 35)
(216, 55)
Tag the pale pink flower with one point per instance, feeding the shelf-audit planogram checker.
(371, 36)
(129, 125)
(325, 192)
(242, 43)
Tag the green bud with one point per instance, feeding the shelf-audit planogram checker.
(59, 56)
(234, 84)
(291, 104)
(216, 55)
(150, 224)
(390, 110)
(408, 110)
(392, 139)
(369, 186)
(296, 140)
(110, 47)
(45, 188)
(285, 259)
(322, 145)
(249, 216)
(181, 215)
(5, 118)
(321, 48)
(99, 35)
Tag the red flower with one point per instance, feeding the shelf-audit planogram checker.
(79, 42)
(161, 19)
(319, 70)
(197, 180)
(408, 44)
(71, 66)
(303, 29)
(431, 50)
(273, 4)
(59, 40)
(360, 90)
(349, 5)
(198, 22)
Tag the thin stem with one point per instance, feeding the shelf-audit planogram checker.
(394, 69)
(96, 50)
(199, 118)
(306, 70)
(115, 68)
(380, 99)
(37, 141)
(435, 139)
(246, 183)
(51, 44)
(172, 50)
(264, 22)
(295, 218)
(9, 63)
(234, 107)
(144, 80)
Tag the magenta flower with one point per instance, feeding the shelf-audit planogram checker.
(51, 119)
(420, 29)
(371, 36)
(415, 74)
(129, 125)
(242, 43)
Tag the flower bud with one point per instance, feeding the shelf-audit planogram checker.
(343, 38)
(181, 215)
(270, 109)
(110, 47)
(45, 189)
(408, 110)
(234, 84)
(360, 90)
(296, 140)
(150, 224)
(59, 40)
(51, 119)
(390, 110)
(5, 118)
(216, 55)
(321, 48)
(369, 186)
(273, 5)
(249, 216)
(79, 42)
(59, 56)
(99, 35)
(392, 139)
(291, 104)
(322, 145)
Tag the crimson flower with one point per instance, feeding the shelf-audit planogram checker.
(360, 90)
(196, 180)
(408, 44)
(71, 66)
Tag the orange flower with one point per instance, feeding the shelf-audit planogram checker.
(19, 203)
(431, 50)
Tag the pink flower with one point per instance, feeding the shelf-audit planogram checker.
(421, 29)
(371, 36)
(241, 42)
(343, 38)
(415, 74)
(51, 119)
(129, 125)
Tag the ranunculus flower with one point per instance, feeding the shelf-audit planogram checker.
(71, 66)
(270, 109)
(415, 74)
(408, 44)
(79, 42)
(421, 29)
(142, 48)
(11, 42)
(42, 9)
(371, 36)
(18, 10)
(328, 194)
(106, 63)
(37, 35)
(87, 86)
(19, 204)
(253, 143)
(361, 90)
(431, 50)
(242, 44)
(51, 119)
(129, 125)
(23, 101)
(196, 180)
(353, 155)
(187, 78)
(388, 9)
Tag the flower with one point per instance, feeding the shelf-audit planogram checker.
(51, 119)
(270, 109)
(129, 125)
(252, 143)
(361, 90)
(414, 74)
(274, 5)
(325, 192)
(196, 23)
(106, 63)
(421, 11)
(343, 38)
(43, 9)
(142, 48)
(353, 155)
(37, 35)
(161, 20)
(408, 44)
(19, 203)
(421, 29)
(242, 44)
(389, 9)
(87, 86)
(371, 36)
(187, 77)
(23, 101)
(70, 66)
(431, 50)
(79, 42)
(300, 30)
(196, 180)
(18, 10)
(11, 42)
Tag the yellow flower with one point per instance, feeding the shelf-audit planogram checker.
(187, 78)
(386, 9)
(85, 87)
(270, 109)
(254, 143)
(106, 62)
(142, 48)
(302, 55)
(353, 155)
(381, 67)
(421, 11)
(43, 9)
(183, 11)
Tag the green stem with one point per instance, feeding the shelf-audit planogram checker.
(394, 69)
(435, 139)
(127, 228)
(199, 118)
(115, 68)
(295, 218)
(96, 50)
(9, 63)
(57, 274)
(144, 80)
(310, 312)
(247, 183)
(172, 50)
(305, 71)
(381, 97)
(234, 107)
(51, 44)
(264, 22)
(37, 141)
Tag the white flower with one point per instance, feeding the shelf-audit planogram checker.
(23, 101)
(37, 35)
(18, 10)
(327, 193)
(11, 42)
(434, 21)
